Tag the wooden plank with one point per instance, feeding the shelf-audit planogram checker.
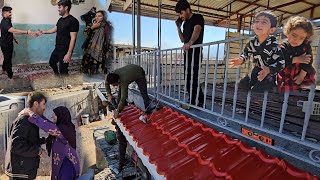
(127, 4)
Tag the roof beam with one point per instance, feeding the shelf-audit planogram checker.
(227, 4)
(235, 19)
(209, 14)
(305, 1)
(310, 8)
(171, 8)
(217, 16)
(261, 5)
(151, 13)
(127, 4)
(194, 1)
(236, 12)
(252, 10)
(204, 7)
(286, 4)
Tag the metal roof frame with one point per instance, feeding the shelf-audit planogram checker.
(234, 14)
(221, 12)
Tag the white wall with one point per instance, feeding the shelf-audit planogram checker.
(42, 11)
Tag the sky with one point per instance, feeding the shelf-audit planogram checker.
(122, 24)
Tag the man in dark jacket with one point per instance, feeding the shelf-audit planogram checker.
(7, 38)
(24, 151)
(123, 77)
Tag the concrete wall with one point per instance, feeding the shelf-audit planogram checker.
(78, 103)
(41, 14)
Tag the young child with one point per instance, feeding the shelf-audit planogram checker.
(267, 57)
(298, 55)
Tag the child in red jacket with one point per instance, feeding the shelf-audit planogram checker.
(297, 51)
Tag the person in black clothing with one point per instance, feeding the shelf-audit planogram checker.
(24, 151)
(193, 30)
(67, 29)
(7, 38)
(97, 45)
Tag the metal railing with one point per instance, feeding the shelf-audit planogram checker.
(166, 77)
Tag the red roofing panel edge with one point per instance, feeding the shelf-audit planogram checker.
(130, 123)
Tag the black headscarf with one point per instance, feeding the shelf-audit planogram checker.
(65, 126)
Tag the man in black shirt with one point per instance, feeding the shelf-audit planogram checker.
(7, 38)
(24, 144)
(193, 30)
(67, 29)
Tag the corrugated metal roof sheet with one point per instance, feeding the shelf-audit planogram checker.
(272, 3)
(216, 11)
(296, 7)
(214, 4)
(313, 1)
(182, 148)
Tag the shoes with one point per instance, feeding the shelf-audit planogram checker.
(200, 105)
(150, 108)
(153, 106)
(185, 106)
(121, 166)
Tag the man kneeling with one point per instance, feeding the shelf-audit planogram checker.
(122, 77)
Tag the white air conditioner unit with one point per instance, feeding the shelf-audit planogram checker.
(11, 102)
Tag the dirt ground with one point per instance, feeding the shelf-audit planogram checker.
(4, 177)
(86, 146)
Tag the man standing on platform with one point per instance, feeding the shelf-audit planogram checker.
(193, 30)
(67, 29)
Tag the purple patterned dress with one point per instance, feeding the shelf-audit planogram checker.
(63, 155)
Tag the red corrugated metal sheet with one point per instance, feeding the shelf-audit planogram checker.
(182, 148)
